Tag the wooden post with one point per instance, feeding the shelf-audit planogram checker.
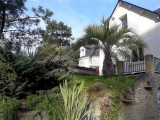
(120, 68)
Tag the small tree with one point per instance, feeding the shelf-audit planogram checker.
(57, 33)
(19, 31)
(113, 40)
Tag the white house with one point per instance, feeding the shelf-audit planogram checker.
(144, 22)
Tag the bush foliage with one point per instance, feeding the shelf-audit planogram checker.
(49, 101)
(9, 107)
(20, 75)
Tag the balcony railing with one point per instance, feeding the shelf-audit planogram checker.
(133, 67)
(150, 64)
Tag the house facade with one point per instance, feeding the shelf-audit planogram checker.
(143, 22)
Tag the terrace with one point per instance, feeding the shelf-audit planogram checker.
(150, 63)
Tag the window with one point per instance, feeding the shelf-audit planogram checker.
(89, 52)
(141, 54)
(134, 55)
(138, 54)
(82, 52)
(124, 21)
(158, 96)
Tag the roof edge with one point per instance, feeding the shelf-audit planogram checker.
(134, 6)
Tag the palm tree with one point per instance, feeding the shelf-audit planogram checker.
(113, 40)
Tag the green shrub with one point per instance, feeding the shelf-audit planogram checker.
(49, 101)
(10, 107)
(34, 100)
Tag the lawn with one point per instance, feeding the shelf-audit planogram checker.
(118, 83)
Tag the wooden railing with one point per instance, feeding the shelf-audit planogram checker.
(131, 67)
(150, 64)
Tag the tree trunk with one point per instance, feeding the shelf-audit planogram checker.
(3, 21)
(108, 67)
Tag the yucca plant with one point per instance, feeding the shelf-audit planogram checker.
(75, 102)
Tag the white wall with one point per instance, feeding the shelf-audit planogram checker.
(94, 61)
(88, 62)
(143, 23)
(82, 51)
(84, 62)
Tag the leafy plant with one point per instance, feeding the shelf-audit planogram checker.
(49, 101)
(9, 108)
(34, 100)
(75, 102)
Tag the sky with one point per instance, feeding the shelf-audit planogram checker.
(77, 14)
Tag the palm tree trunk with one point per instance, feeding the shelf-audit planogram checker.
(108, 67)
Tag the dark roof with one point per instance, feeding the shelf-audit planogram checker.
(83, 68)
(153, 12)
(157, 11)
(89, 46)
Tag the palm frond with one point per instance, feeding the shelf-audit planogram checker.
(94, 32)
(80, 42)
(134, 42)
(93, 50)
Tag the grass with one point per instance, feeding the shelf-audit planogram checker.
(113, 87)
(119, 83)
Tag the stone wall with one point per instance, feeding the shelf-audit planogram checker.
(30, 115)
(144, 105)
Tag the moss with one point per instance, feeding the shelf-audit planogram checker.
(113, 87)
